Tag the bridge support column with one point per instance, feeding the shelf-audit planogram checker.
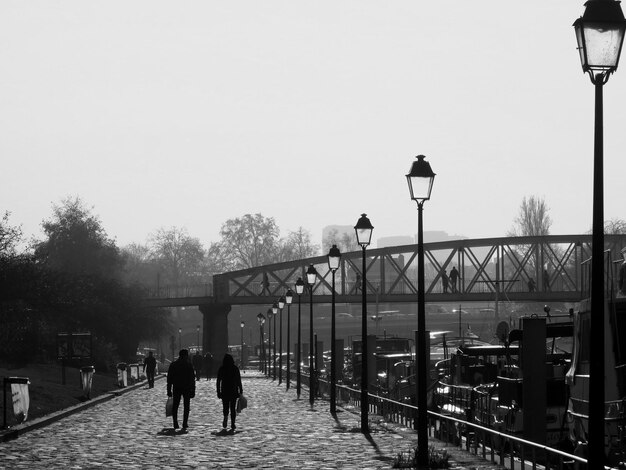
(215, 331)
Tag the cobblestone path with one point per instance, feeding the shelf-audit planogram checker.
(276, 431)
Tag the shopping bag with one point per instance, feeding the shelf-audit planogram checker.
(169, 407)
(242, 403)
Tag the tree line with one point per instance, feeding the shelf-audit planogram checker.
(76, 279)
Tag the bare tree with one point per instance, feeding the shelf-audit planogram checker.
(179, 256)
(615, 227)
(139, 265)
(346, 242)
(249, 241)
(298, 245)
(532, 219)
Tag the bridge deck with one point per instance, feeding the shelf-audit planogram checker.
(525, 269)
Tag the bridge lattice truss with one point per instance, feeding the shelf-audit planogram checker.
(546, 268)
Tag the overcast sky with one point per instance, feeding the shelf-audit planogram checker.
(189, 113)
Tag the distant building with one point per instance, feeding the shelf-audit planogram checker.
(394, 241)
(431, 236)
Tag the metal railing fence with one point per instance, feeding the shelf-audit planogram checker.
(500, 448)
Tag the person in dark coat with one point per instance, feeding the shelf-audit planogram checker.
(181, 380)
(229, 388)
(149, 367)
(197, 364)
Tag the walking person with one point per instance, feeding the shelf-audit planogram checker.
(454, 276)
(181, 380)
(149, 368)
(444, 281)
(197, 361)
(229, 388)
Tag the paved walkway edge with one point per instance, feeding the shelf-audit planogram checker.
(15, 431)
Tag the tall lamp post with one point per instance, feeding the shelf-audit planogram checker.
(299, 291)
(364, 229)
(242, 360)
(261, 319)
(275, 315)
(288, 300)
(334, 257)
(420, 180)
(281, 305)
(180, 339)
(269, 329)
(600, 35)
(311, 276)
(198, 330)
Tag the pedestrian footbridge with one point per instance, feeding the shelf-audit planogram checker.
(524, 269)
(546, 268)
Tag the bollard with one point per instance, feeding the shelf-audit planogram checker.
(86, 379)
(133, 372)
(122, 378)
(19, 396)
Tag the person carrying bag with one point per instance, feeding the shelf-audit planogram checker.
(181, 383)
(229, 388)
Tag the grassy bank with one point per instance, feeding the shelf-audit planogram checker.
(47, 394)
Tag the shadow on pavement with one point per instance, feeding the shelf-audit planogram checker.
(225, 432)
(171, 432)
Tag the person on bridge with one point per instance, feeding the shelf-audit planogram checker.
(149, 367)
(229, 388)
(444, 281)
(454, 276)
(181, 379)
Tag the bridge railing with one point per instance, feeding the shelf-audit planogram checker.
(173, 292)
(498, 266)
(520, 267)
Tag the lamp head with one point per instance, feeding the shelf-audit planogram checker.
(600, 35)
(363, 229)
(334, 257)
(281, 302)
(275, 308)
(299, 286)
(311, 275)
(420, 180)
(289, 296)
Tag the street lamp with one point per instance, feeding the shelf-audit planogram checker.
(180, 340)
(288, 300)
(270, 314)
(198, 329)
(242, 361)
(261, 319)
(364, 229)
(275, 314)
(299, 291)
(281, 305)
(334, 257)
(420, 180)
(311, 276)
(600, 35)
